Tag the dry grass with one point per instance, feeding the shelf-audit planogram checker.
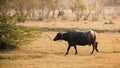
(43, 52)
(82, 25)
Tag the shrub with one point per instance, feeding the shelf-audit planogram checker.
(10, 35)
(21, 18)
(5, 19)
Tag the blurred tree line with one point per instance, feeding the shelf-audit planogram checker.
(51, 9)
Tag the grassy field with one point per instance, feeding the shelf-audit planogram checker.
(43, 52)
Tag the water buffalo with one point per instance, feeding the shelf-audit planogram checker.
(82, 38)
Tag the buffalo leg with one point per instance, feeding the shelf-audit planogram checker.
(96, 46)
(69, 46)
(93, 45)
(75, 49)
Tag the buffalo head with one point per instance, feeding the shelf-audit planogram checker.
(58, 37)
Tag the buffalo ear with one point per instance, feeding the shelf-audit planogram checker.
(59, 33)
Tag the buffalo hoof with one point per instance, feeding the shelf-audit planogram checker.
(66, 54)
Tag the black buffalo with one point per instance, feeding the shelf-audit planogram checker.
(78, 38)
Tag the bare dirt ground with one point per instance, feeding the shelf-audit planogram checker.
(43, 52)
